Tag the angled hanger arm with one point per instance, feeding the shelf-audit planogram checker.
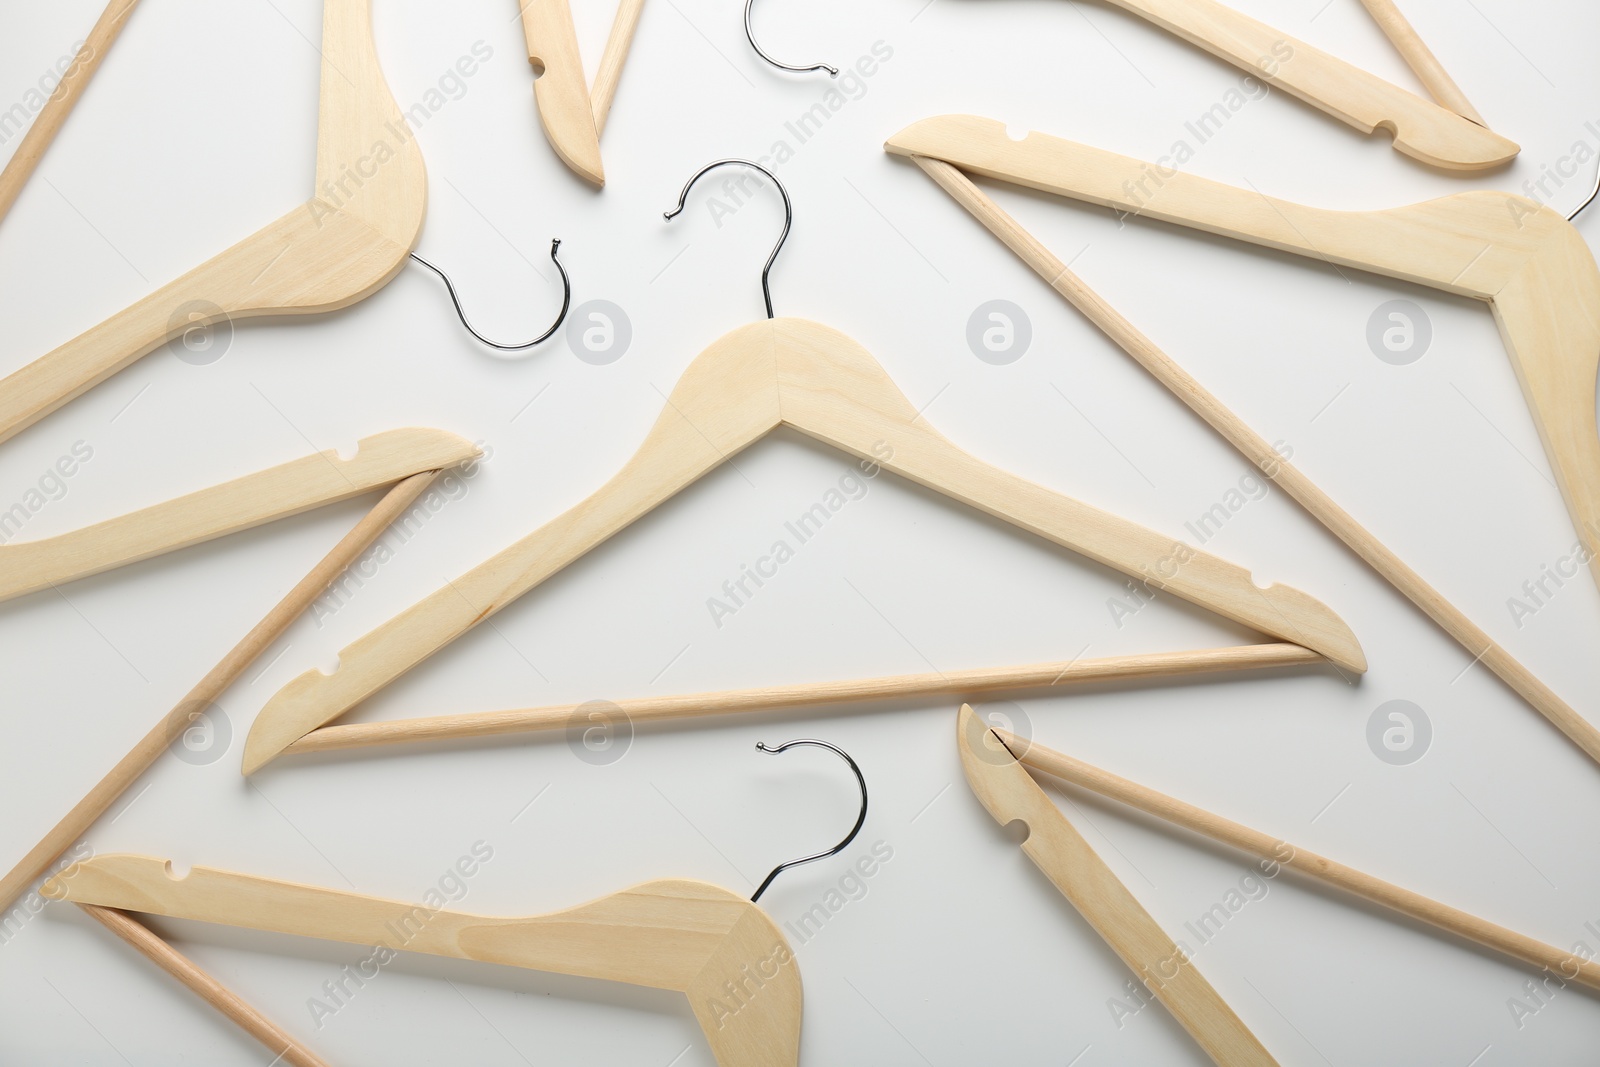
(1426, 245)
(1528, 262)
(560, 90)
(726, 401)
(1054, 845)
(679, 935)
(835, 392)
(336, 249)
(1422, 129)
(1279, 852)
(573, 115)
(242, 504)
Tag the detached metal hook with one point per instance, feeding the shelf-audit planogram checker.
(788, 216)
(566, 303)
(842, 845)
(750, 32)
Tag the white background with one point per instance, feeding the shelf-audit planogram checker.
(199, 129)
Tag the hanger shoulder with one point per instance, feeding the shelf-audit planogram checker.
(313, 259)
(241, 504)
(560, 89)
(721, 950)
(1441, 244)
(1009, 794)
(727, 400)
(368, 161)
(659, 934)
(334, 250)
(1549, 317)
(836, 392)
(1422, 129)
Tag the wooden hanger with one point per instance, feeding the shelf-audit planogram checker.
(334, 250)
(1569, 966)
(397, 502)
(692, 937)
(970, 684)
(25, 160)
(1057, 849)
(574, 117)
(814, 379)
(718, 948)
(242, 504)
(1422, 129)
(1256, 449)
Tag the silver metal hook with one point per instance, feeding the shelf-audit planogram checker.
(788, 216)
(842, 845)
(566, 303)
(750, 32)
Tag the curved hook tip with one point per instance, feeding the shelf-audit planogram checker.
(788, 216)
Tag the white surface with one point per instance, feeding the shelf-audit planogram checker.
(199, 129)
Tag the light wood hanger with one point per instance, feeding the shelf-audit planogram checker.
(814, 379)
(719, 949)
(242, 504)
(144, 755)
(67, 92)
(692, 937)
(573, 116)
(1422, 129)
(336, 249)
(1255, 448)
(1280, 853)
(969, 684)
(1055, 846)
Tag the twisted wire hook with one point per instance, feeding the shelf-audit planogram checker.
(455, 298)
(788, 216)
(750, 33)
(842, 845)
